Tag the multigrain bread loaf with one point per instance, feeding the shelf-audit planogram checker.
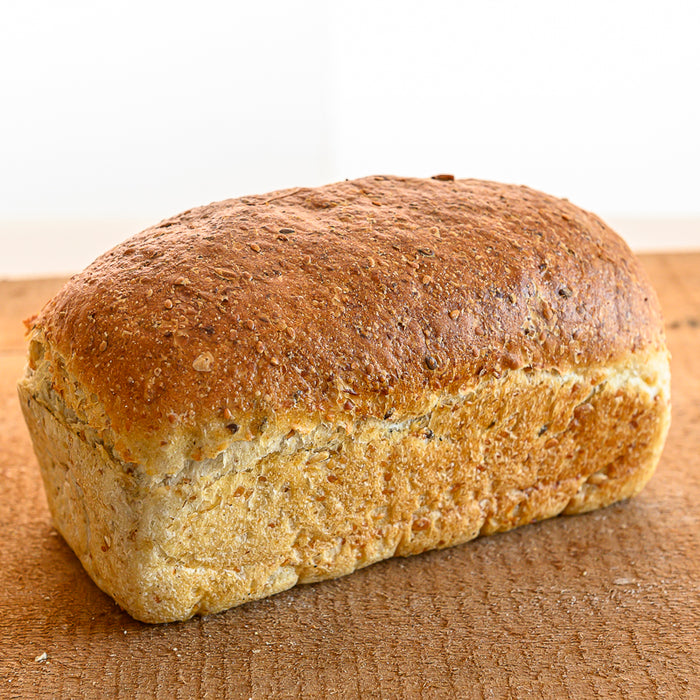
(284, 388)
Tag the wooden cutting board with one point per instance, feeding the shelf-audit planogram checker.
(595, 606)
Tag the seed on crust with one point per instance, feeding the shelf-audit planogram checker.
(431, 362)
(203, 362)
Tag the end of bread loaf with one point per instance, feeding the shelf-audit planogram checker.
(285, 388)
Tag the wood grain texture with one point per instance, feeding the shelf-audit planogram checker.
(597, 606)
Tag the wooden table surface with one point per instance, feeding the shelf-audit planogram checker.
(602, 605)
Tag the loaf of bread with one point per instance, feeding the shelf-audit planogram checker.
(284, 388)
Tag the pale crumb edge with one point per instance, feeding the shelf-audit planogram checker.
(156, 580)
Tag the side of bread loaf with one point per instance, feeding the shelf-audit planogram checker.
(285, 388)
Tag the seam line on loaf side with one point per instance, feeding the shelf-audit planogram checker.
(614, 377)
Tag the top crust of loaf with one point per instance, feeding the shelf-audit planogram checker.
(360, 298)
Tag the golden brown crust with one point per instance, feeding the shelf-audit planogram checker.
(351, 300)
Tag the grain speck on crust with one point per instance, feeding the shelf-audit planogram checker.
(431, 362)
(203, 362)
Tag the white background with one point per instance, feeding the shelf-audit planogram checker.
(116, 115)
